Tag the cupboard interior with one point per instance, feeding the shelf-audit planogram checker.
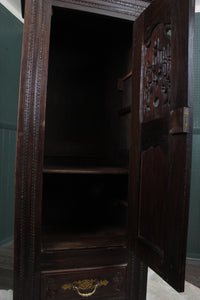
(84, 210)
(87, 131)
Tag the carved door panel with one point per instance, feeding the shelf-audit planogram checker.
(161, 137)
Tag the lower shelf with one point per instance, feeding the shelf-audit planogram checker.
(62, 240)
(56, 169)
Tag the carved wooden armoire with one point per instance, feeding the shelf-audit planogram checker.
(103, 147)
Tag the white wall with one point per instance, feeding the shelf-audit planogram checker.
(14, 6)
(197, 5)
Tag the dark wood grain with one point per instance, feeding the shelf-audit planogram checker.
(112, 256)
(30, 141)
(122, 9)
(59, 284)
(111, 237)
(135, 265)
(137, 278)
(163, 85)
(74, 139)
(118, 9)
(83, 258)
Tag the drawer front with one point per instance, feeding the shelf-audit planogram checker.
(94, 283)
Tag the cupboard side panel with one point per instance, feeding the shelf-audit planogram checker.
(137, 270)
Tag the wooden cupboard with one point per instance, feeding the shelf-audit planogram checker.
(103, 148)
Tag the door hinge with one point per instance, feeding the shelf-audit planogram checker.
(179, 120)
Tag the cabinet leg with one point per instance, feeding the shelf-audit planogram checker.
(137, 283)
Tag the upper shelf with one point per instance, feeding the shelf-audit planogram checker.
(57, 169)
(80, 165)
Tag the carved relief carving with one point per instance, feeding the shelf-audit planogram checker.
(157, 73)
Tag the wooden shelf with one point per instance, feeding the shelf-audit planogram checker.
(57, 169)
(60, 240)
(125, 110)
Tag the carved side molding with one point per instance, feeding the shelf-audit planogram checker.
(30, 134)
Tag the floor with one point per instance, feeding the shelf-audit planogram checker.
(193, 272)
(6, 269)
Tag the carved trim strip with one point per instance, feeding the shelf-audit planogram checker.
(130, 10)
(28, 162)
(23, 159)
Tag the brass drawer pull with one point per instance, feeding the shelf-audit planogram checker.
(85, 288)
(86, 294)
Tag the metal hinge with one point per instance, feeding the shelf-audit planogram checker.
(179, 120)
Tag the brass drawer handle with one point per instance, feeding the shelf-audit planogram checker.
(85, 288)
(86, 294)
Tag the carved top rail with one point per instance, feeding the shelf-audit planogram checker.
(129, 9)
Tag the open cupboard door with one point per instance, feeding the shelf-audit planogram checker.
(160, 158)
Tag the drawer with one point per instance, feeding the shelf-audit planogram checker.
(93, 283)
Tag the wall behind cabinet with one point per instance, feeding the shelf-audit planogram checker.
(194, 219)
(10, 54)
